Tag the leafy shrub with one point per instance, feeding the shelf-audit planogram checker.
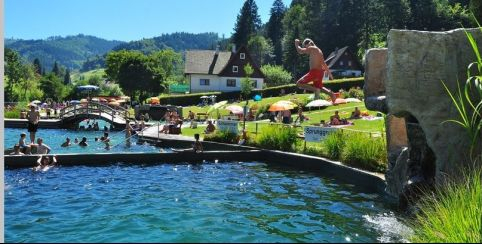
(364, 152)
(334, 144)
(222, 136)
(356, 92)
(276, 75)
(278, 137)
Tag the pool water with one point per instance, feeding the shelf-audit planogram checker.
(55, 137)
(209, 202)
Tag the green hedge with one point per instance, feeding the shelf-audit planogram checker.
(195, 98)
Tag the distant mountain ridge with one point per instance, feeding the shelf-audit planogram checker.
(179, 41)
(69, 51)
(86, 52)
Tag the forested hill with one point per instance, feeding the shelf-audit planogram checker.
(178, 41)
(70, 51)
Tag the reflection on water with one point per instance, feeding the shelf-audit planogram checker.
(209, 202)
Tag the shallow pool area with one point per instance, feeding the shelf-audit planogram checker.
(55, 137)
(208, 202)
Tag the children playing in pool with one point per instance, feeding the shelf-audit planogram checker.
(45, 163)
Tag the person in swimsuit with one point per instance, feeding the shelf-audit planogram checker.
(317, 71)
(33, 117)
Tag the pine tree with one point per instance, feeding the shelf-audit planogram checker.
(397, 12)
(423, 15)
(37, 66)
(56, 69)
(476, 9)
(248, 23)
(275, 30)
(293, 23)
(67, 77)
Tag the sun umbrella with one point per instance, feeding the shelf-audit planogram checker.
(318, 103)
(339, 101)
(36, 101)
(95, 99)
(88, 88)
(281, 106)
(204, 97)
(75, 102)
(352, 100)
(83, 100)
(235, 109)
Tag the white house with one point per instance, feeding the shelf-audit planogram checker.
(209, 70)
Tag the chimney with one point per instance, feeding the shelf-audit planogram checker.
(217, 49)
(234, 48)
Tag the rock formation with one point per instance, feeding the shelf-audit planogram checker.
(405, 81)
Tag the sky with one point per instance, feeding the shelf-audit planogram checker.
(123, 20)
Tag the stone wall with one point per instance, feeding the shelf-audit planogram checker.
(416, 64)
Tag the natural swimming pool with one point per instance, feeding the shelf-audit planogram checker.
(55, 137)
(209, 202)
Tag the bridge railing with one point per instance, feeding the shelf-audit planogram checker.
(95, 108)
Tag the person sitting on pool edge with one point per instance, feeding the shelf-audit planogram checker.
(197, 146)
(210, 128)
(16, 150)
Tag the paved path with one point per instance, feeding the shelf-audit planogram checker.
(152, 132)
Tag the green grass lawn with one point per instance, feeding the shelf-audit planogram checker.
(314, 116)
(96, 72)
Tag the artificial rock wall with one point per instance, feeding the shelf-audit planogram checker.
(409, 88)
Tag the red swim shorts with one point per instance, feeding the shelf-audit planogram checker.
(314, 75)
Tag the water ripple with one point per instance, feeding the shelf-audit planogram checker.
(212, 202)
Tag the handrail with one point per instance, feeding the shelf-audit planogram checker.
(94, 108)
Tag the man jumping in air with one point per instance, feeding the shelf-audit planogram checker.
(318, 68)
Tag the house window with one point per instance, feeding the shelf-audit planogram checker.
(341, 62)
(204, 82)
(255, 83)
(349, 63)
(242, 56)
(235, 69)
(231, 83)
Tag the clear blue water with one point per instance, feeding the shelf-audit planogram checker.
(55, 137)
(210, 202)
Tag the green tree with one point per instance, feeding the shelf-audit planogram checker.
(276, 75)
(294, 24)
(53, 87)
(137, 77)
(14, 73)
(274, 30)
(247, 24)
(246, 89)
(476, 9)
(67, 79)
(260, 49)
(246, 82)
(114, 60)
(56, 69)
(38, 66)
(167, 63)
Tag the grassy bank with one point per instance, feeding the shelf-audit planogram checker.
(453, 213)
